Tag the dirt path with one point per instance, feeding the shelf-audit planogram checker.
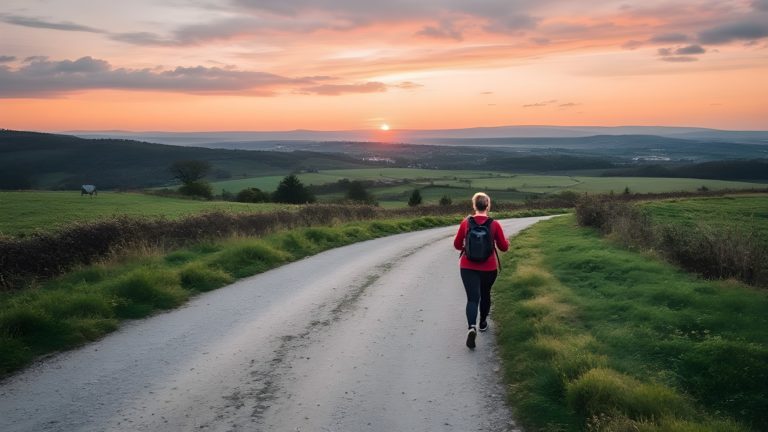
(368, 337)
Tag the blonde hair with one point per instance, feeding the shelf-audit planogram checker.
(481, 201)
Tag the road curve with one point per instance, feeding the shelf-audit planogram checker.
(367, 337)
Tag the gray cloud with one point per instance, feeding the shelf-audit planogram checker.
(632, 44)
(511, 23)
(690, 49)
(339, 89)
(500, 15)
(38, 23)
(7, 59)
(682, 54)
(142, 38)
(303, 16)
(540, 104)
(747, 30)
(679, 59)
(444, 30)
(656, 39)
(44, 78)
(761, 5)
(669, 38)
(569, 105)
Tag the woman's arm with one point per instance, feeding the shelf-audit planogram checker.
(458, 241)
(501, 240)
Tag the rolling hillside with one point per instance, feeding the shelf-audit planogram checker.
(47, 161)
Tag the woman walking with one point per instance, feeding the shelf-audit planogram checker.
(477, 238)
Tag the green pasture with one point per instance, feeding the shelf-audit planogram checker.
(596, 337)
(416, 175)
(27, 211)
(728, 212)
(654, 185)
(468, 182)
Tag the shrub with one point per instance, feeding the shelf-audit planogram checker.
(252, 195)
(445, 200)
(291, 190)
(199, 188)
(357, 192)
(415, 198)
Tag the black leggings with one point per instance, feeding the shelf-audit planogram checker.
(477, 284)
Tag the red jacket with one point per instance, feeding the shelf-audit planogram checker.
(498, 238)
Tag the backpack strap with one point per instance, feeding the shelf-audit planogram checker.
(470, 224)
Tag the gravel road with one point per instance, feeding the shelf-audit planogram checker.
(367, 337)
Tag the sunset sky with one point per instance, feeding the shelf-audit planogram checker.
(196, 65)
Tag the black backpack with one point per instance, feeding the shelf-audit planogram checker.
(478, 245)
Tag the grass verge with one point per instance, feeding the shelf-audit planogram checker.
(87, 303)
(595, 337)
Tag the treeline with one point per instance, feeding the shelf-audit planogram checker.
(714, 253)
(752, 169)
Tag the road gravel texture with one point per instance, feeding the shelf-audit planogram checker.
(367, 337)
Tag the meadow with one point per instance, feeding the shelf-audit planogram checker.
(396, 184)
(728, 212)
(27, 211)
(594, 336)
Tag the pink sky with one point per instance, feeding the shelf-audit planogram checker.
(349, 64)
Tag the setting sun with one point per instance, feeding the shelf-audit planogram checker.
(384, 127)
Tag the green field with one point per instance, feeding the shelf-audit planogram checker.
(742, 212)
(23, 212)
(462, 184)
(596, 337)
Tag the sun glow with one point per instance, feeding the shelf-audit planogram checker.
(384, 127)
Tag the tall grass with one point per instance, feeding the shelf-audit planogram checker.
(596, 337)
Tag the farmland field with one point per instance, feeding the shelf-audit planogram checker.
(23, 212)
(460, 184)
(744, 212)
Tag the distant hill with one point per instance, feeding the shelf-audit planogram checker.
(50, 161)
(435, 136)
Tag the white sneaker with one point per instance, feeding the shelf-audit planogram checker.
(471, 337)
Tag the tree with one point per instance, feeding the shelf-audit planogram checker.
(356, 192)
(445, 200)
(189, 171)
(291, 190)
(252, 195)
(191, 174)
(415, 198)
